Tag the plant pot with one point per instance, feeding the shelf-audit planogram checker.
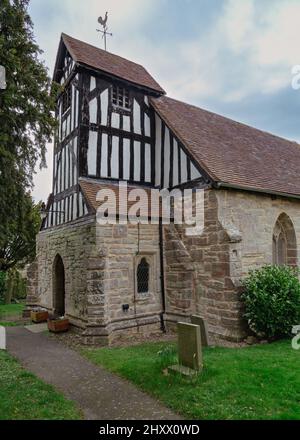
(39, 316)
(58, 325)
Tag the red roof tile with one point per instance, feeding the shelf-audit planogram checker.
(231, 152)
(90, 189)
(109, 63)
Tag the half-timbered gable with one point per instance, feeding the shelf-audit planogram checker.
(117, 132)
(109, 130)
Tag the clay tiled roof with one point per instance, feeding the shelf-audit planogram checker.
(109, 63)
(233, 153)
(90, 189)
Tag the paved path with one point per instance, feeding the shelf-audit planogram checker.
(100, 394)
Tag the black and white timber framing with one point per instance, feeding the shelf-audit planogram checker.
(97, 138)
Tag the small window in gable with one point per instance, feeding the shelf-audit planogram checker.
(143, 270)
(120, 97)
(66, 99)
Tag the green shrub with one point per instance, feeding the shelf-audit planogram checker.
(2, 286)
(272, 301)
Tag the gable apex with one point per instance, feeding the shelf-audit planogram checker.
(98, 59)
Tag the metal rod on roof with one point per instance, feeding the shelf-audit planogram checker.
(104, 32)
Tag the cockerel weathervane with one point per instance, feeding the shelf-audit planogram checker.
(104, 32)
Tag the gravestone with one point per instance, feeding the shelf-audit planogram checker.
(2, 338)
(189, 350)
(197, 320)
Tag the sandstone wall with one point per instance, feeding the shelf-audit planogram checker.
(254, 217)
(75, 243)
(204, 272)
(198, 275)
(100, 264)
(120, 248)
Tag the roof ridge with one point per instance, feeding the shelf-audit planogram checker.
(94, 57)
(243, 124)
(102, 50)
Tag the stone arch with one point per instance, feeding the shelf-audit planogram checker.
(284, 242)
(58, 286)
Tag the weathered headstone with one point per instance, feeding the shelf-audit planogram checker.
(2, 338)
(189, 349)
(197, 320)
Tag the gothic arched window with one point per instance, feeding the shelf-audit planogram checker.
(143, 271)
(284, 242)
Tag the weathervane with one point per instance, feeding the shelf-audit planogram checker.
(103, 22)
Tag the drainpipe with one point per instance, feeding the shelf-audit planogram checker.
(162, 275)
(135, 283)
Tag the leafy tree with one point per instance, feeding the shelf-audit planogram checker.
(18, 245)
(26, 125)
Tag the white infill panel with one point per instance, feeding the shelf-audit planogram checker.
(183, 160)
(115, 158)
(126, 123)
(175, 164)
(74, 206)
(104, 152)
(67, 209)
(68, 125)
(80, 211)
(54, 214)
(194, 172)
(71, 164)
(93, 111)
(136, 117)
(63, 157)
(147, 163)
(115, 120)
(104, 107)
(158, 151)
(167, 159)
(73, 108)
(126, 159)
(92, 153)
(76, 108)
(55, 173)
(147, 126)
(92, 83)
(67, 166)
(137, 161)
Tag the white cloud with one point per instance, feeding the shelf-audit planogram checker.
(237, 24)
(278, 43)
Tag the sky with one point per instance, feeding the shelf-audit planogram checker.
(232, 57)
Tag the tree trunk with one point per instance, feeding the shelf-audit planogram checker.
(9, 288)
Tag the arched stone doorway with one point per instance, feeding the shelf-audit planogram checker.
(58, 286)
(284, 242)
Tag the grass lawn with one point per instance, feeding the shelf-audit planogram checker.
(25, 397)
(11, 314)
(258, 382)
(7, 310)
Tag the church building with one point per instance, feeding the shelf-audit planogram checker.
(116, 124)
